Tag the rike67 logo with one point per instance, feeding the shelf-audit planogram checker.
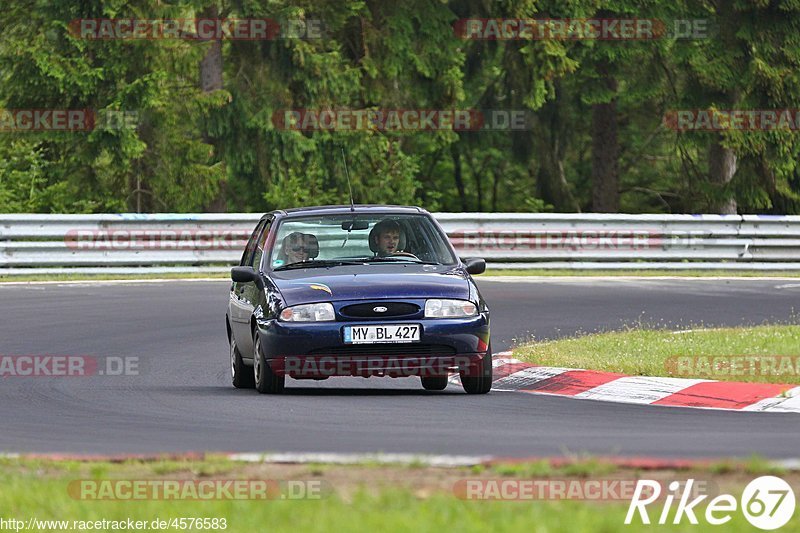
(767, 502)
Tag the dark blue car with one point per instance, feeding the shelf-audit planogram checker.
(356, 291)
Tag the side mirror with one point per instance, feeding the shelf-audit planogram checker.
(245, 275)
(475, 265)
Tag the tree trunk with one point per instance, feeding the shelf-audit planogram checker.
(495, 184)
(721, 168)
(211, 64)
(768, 181)
(721, 160)
(458, 175)
(479, 188)
(605, 151)
(211, 68)
(548, 168)
(551, 184)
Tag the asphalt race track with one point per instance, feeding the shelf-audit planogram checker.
(182, 399)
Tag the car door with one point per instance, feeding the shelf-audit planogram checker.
(250, 295)
(237, 307)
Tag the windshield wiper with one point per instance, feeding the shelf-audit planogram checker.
(317, 263)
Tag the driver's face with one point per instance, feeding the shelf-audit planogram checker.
(388, 241)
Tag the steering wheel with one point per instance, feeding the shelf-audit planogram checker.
(404, 254)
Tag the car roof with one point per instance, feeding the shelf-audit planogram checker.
(344, 209)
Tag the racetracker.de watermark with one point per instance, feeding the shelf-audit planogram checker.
(40, 120)
(609, 489)
(573, 239)
(733, 119)
(156, 239)
(196, 29)
(594, 29)
(376, 365)
(49, 366)
(734, 365)
(403, 119)
(197, 490)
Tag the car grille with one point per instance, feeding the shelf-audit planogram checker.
(387, 350)
(393, 309)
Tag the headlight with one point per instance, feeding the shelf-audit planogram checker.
(449, 308)
(308, 313)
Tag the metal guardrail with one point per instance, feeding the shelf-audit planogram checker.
(160, 243)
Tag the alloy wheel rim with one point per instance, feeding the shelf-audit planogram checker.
(233, 359)
(257, 361)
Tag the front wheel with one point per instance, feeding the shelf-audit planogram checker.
(267, 381)
(479, 380)
(434, 382)
(241, 375)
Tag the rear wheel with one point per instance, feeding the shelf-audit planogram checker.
(478, 379)
(434, 382)
(267, 382)
(241, 375)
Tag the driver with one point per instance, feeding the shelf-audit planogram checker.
(388, 235)
(387, 238)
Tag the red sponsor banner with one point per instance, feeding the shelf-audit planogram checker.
(156, 239)
(733, 119)
(733, 365)
(23, 120)
(49, 366)
(196, 490)
(196, 29)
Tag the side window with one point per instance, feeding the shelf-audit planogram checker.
(259, 251)
(251, 244)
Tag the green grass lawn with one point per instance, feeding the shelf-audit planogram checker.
(385, 511)
(106, 277)
(664, 353)
(362, 498)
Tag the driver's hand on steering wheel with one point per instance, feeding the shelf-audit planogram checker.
(404, 254)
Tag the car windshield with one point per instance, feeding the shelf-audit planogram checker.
(364, 238)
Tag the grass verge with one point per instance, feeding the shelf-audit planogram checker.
(361, 498)
(768, 353)
(114, 277)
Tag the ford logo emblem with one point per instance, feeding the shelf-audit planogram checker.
(379, 309)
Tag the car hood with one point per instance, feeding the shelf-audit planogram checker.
(371, 282)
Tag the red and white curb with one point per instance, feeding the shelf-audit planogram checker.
(514, 375)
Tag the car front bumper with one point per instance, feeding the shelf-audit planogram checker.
(317, 350)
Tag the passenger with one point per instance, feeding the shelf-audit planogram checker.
(294, 248)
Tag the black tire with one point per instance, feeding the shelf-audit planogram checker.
(434, 382)
(481, 382)
(241, 375)
(267, 382)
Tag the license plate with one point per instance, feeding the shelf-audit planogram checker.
(395, 333)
